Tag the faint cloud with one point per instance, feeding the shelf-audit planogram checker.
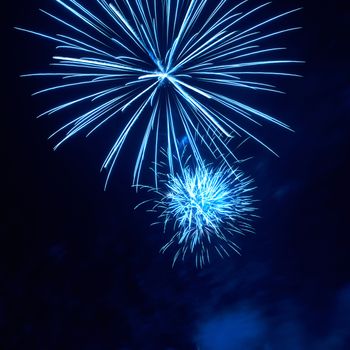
(241, 329)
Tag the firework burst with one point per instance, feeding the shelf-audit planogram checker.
(206, 208)
(165, 66)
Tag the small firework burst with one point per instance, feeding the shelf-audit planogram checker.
(206, 207)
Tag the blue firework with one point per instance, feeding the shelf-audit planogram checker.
(206, 208)
(165, 66)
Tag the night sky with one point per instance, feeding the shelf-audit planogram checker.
(80, 268)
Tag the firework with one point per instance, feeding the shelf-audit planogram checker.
(169, 67)
(206, 208)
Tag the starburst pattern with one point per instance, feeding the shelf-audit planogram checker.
(206, 208)
(166, 67)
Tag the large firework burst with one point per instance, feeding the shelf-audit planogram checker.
(167, 66)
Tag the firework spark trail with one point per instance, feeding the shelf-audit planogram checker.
(207, 207)
(166, 63)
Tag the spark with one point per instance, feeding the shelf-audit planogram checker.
(166, 67)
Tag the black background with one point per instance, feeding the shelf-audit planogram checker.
(80, 269)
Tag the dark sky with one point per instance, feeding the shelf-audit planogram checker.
(80, 268)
